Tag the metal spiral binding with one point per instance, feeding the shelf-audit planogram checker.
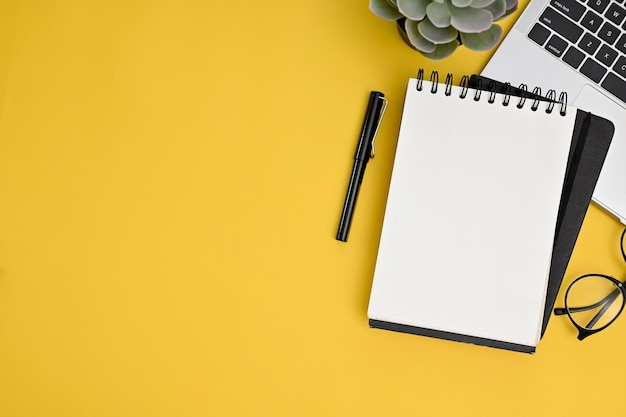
(492, 92)
(448, 84)
(434, 81)
(507, 94)
(464, 86)
(522, 99)
(563, 101)
(550, 97)
(420, 79)
(478, 91)
(535, 105)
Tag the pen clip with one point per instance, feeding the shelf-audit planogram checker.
(380, 119)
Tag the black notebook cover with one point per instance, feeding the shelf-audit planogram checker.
(590, 144)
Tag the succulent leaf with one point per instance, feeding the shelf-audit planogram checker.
(385, 9)
(413, 9)
(438, 14)
(418, 41)
(470, 20)
(497, 9)
(479, 4)
(442, 51)
(482, 41)
(436, 35)
(461, 3)
(511, 5)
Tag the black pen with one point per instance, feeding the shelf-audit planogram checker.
(364, 151)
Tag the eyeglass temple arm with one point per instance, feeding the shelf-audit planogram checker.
(612, 297)
(584, 332)
(559, 311)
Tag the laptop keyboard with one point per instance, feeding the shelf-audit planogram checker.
(590, 36)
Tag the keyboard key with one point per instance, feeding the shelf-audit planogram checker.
(593, 70)
(561, 24)
(620, 66)
(608, 33)
(570, 8)
(573, 57)
(606, 55)
(615, 13)
(539, 34)
(556, 45)
(589, 43)
(598, 5)
(621, 44)
(591, 21)
(616, 86)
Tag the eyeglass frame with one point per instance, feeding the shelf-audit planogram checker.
(607, 301)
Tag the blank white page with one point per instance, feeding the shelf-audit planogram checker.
(471, 214)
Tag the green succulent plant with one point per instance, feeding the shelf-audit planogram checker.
(437, 27)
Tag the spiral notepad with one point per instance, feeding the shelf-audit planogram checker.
(471, 218)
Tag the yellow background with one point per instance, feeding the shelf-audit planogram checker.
(171, 179)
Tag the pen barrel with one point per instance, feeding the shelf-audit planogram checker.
(374, 106)
(348, 207)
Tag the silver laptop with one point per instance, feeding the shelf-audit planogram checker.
(579, 47)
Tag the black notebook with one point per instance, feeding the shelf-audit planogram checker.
(487, 196)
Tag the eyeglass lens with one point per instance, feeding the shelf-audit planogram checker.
(594, 301)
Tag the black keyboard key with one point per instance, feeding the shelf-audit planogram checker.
(570, 8)
(620, 66)
(598, 5)
(593, 70)
(621, 44)
(539, 34)
(591, 21)
(561, 24)
(556, 45)
(615, 13)
(616, 86)
(589, 43)
(606, 55)
(573, 57)
(608, 33)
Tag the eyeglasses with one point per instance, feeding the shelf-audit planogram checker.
(594, 301)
